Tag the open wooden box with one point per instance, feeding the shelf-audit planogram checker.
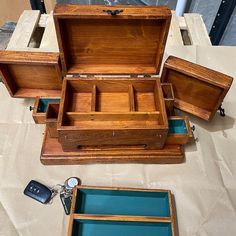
(121, 211)
(118, 119)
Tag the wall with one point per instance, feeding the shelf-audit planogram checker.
(11, 10)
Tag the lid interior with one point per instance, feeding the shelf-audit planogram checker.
(112, 44)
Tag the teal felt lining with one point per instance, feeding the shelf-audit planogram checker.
(177, 127)
(43, 104)
(112, 202)
(117, 228)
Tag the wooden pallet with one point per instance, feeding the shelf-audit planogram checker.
(35, 33)
(187, 30)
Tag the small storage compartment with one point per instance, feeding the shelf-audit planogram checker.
(118, 228)
(169, 98)
(113, 202)
(51, 118)
(40, 108)
(111, 112)
(179, 130)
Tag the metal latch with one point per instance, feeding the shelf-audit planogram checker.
(113, 12)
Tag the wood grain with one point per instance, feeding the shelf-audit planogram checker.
(31, 74)
(197, 89)
(52, 154)
(112, 122)
(91, 41)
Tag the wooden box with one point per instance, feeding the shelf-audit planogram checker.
(121, 211)
(31, 74)
(40, 108)
(197, 89)
(112, 112)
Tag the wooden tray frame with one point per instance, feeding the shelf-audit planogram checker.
(171, 219)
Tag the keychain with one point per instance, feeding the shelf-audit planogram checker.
(45, 194)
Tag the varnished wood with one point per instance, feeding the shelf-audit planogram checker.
(52, 154)
(180, 138)
(122, 218)
(51, 118)
(112, 122)
(197, 89)
(169, 98)
(92, 41)
(40, 117)
(27, 74)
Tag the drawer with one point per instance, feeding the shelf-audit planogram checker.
(40, 108)
(180, 131)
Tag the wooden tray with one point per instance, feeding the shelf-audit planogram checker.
(52, 154)
(112, 112)
(31, 74)
(197, 89)
(94, 41)
(121, 211)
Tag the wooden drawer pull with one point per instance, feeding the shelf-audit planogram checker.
(113, 12)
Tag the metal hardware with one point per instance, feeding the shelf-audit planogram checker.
(193, 128)
(113, 12)
(222, 110)
(31, 108)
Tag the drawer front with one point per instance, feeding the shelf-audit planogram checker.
(180, 131)
(110, 139)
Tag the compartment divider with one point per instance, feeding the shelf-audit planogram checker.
(94, 100)
(122, 218)
(131, 98)
(108, 116)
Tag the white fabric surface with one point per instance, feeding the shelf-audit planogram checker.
(204, 186)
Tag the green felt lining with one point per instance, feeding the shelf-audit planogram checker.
(112, 202)
(118, 228)
(43, 104)
(177, 127)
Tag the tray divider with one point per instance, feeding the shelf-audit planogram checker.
(106, 116)
(131, 98)
(122, 218)
(94, 100)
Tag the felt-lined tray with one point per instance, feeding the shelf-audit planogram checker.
(121, 211)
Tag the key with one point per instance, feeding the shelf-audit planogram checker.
(38, 192)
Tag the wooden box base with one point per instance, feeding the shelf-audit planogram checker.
(52, 154)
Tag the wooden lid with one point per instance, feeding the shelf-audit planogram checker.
(197, 89)
(31, 74)
(94, 41)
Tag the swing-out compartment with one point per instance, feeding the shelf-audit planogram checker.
(112, 112)
(118, 228)
(122, 202)
(40, 108)
(180, 131)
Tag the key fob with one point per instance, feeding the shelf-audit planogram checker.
(66, 202)
(38, 192)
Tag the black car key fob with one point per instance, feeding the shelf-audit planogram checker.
(38, 192)
(66, 202)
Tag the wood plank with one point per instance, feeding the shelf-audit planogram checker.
(94, 100)
(25, 27)
(49, 40)
(197, 30)
(122, 218)
(174, 37)
(131, 98)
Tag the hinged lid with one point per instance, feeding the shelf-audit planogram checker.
(197, 89)
(31, 74)
(111, 39)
